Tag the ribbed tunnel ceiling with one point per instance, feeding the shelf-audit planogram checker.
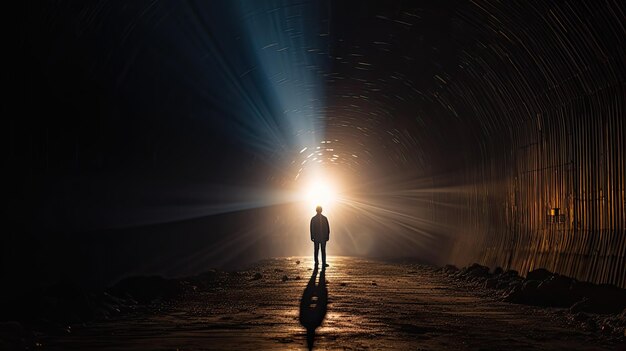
(412, 85)
(404, 86)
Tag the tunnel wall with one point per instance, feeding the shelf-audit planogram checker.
(543, 87)
(571, 158)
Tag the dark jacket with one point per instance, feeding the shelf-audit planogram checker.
(320, 230)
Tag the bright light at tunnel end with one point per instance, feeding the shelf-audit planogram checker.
(320, 193)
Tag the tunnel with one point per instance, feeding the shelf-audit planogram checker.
(166, 138)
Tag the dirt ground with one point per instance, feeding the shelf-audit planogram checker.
(364, 304)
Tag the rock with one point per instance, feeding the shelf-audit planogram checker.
(601, 299)
(502, 284)
(498, 271)
(478, 280)
(114, 300)
(525, 293)
(530, 286)
(606, 329)
(297, 261)
(590, 324)
(257, 276)
(580, 317)
(491, 283)
(450, 268)
(285, 278)
(476, 270)
(538, 274)
(555, 291)
(611, 297)
(206, 279)
(560, 291)
(511, 273)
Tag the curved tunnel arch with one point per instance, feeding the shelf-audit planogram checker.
(459, 127)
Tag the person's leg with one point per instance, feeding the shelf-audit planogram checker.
(316, 246)
(323, 243)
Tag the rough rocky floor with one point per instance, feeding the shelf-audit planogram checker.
(370, 305)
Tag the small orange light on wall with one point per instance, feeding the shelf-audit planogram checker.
(555, 216)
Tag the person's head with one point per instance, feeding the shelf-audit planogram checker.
(318, 209)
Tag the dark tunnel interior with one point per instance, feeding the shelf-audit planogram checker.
(156, 137)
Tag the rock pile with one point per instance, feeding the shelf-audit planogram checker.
(56, 308)
(601, 304)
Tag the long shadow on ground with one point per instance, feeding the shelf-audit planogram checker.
(313, 305)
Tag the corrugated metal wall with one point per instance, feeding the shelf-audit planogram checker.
(572, 159)
(542, 89)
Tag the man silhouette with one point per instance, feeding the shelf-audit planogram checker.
(320, 233)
